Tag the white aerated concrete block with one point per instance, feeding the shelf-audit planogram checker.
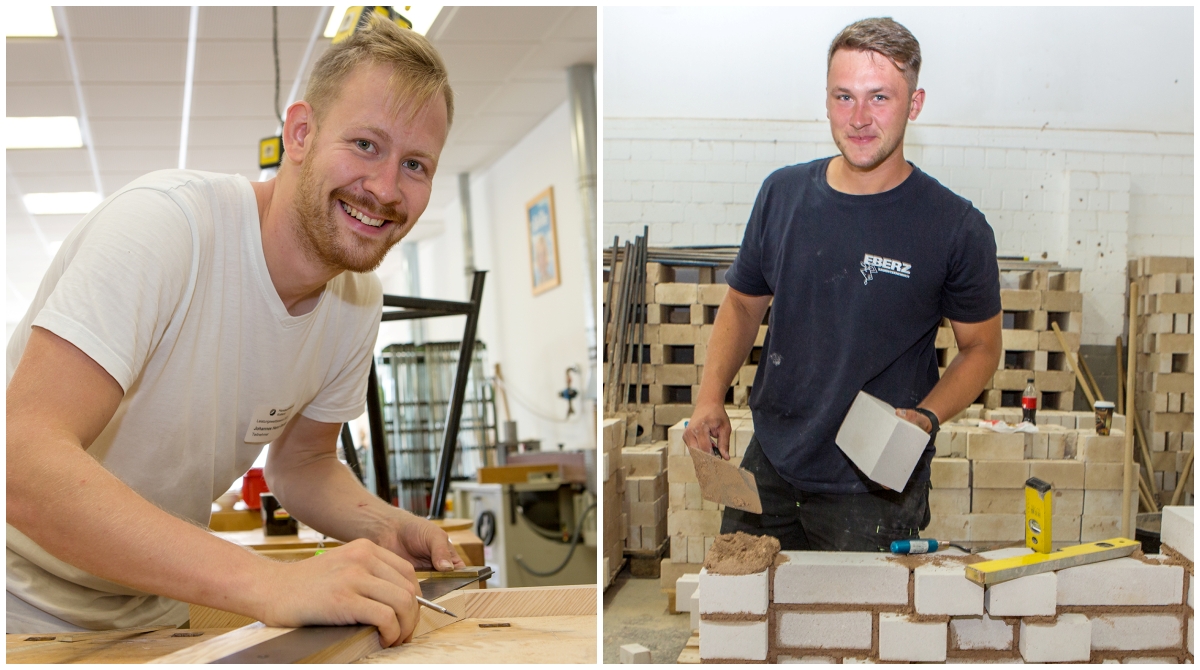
(856, 661)
(685, 586)
(824, 630)
(634, 653)
(983, 633)
(1025, 596)
(840, 577)
(1135, 632)
(733, 640)
(733, 594)
(904, 640)
(1121, 581)
(1068, 639)
(1178, 530)
(694, 608)
(944, 589)
(882, 445)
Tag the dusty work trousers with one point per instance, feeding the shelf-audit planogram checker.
(806, 521)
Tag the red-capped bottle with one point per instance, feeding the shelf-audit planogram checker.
(1029, 404)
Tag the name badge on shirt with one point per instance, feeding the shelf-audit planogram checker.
(267, 423)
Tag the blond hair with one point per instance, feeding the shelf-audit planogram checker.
(886, 37)
(418, 73)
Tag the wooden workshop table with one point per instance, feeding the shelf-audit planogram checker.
(543, 624)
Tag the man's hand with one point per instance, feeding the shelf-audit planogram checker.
(422, 543)
(359, 582)
(915, 417)
(708, 422)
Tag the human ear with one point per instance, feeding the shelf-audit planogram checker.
(916, 104)
(299, 129)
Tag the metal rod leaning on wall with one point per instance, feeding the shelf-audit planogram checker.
(441, 484)
(630, 325)
(642, 316)
(1131, 408)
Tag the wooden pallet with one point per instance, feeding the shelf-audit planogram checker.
(691, 650)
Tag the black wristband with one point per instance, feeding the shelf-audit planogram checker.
(932, 420)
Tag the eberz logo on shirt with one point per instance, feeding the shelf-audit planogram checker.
(872, 264)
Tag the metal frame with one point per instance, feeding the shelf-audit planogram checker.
(424, 308)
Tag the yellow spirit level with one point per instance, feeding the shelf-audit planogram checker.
(1004, 569)
(1038, 515)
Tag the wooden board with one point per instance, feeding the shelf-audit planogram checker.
(137, 645)
(549, 639)
(307, 538)
(514, 602)
(516, 474)
(691, 650)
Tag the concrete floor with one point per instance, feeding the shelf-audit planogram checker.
(635, 611)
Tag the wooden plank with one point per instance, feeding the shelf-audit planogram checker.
(134, 645)
(219, 647)
(691, 650)
(258, 539)
(557, 639)
(517, 474)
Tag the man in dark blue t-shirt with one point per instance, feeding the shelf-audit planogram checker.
(864, 254)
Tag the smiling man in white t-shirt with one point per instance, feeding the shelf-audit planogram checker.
(193, 318)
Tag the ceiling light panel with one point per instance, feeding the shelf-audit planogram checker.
(42, 132)
(27, 20)
(62, 203)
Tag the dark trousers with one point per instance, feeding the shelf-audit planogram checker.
(827, 521)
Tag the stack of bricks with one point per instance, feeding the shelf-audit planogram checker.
(847, 607)
(978, 477)
(1165, 379)
(681, 307)
(615, 522)
(645, 500)
(1032, 296)
(692, 522)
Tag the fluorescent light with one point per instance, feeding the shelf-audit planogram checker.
(42, 132)
(29, 20)
(421, 16)
(62, 203)
(335, 20)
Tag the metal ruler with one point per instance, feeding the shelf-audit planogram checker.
(300, 645)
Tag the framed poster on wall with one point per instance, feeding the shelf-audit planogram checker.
(543, 241)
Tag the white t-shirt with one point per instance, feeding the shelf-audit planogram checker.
(166, 287)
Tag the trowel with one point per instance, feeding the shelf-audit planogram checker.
(725, 483)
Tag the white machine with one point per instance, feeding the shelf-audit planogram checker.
(534, 534)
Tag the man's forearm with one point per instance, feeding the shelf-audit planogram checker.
(962, 382)
(343, 509)
(732, 338)
(65, 501)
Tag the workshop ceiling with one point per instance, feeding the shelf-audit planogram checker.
(507, 67)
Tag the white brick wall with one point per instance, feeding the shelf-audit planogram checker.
(1087, 199)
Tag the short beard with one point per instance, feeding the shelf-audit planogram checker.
(318, 229)
(878, 159)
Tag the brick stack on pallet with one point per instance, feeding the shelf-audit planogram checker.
(615, 522)
(978, 477)
(1032, 296)
(681, 307)
(645, 500)
(1165, 375)
(848, 607)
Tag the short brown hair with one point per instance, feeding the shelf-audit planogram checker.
(886, 37)
(418, 76)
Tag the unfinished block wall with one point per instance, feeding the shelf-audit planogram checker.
(1165, 345)
(645, 501)
(613, 471)
(847, 607)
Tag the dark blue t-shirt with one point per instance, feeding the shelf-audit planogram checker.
(861, 283)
